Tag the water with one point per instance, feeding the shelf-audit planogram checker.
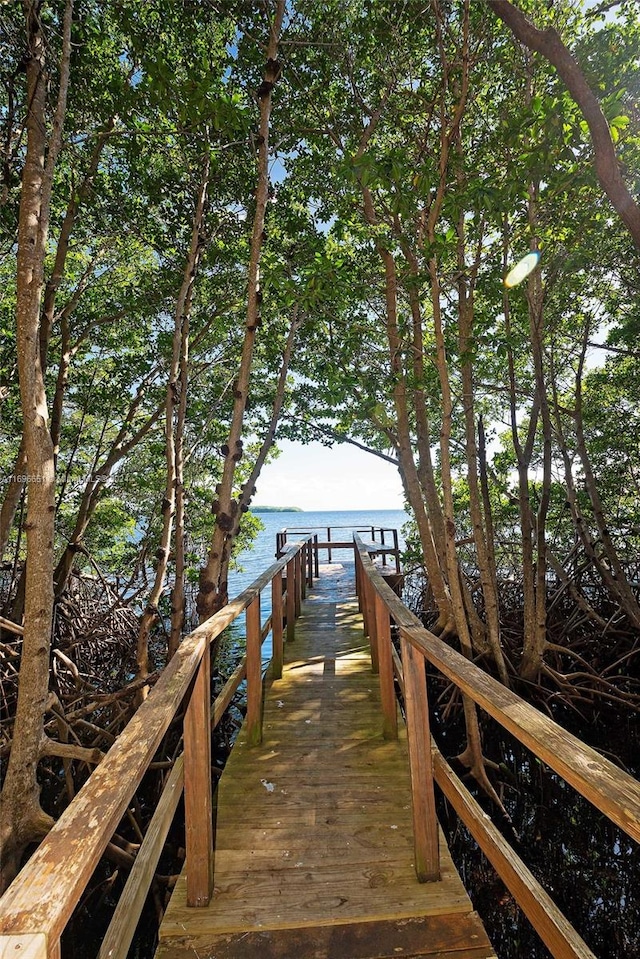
(263, 553)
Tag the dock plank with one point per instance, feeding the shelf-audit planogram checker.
(313, 850)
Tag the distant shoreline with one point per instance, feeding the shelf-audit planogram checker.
(276, 509)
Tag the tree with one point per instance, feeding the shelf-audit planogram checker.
(549, 43)
(213, 583)
(23, 819)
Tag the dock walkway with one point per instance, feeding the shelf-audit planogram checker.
(313, 850)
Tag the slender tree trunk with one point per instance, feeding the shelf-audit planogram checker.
(487, 572)
(523, 459)
(486, 503)
(535, 641)
(78, 195)
(423, 429)
(183, 308)
(14, 490)
(268, 439)
(453, 573)
(177, 592)
(437, 581)
(213, 591)
(22, 819)
(606, 561)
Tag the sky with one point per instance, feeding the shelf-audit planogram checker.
(316, 477)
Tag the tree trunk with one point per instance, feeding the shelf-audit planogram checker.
(423, 430)
(523, 458)
(183, 308)
(535, 640)
(93, 490)
(483, 554)
(270, 433)
(213, 591)
(453, 572)
(21, 816)
(16, 486)
(437, 581)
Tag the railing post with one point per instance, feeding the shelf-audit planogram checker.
(310, 564)
(197, 786)
(297, 582)
(277, 640)
(328, 541)
(254, 674)
(303, 572)
(364, 602)
(316, 553)
(369, 617)
(396, 549)
(385, 669)
(425, 823)
(291, 601)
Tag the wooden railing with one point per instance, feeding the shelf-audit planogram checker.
(38, 904)
(383, 541)
(611, 790)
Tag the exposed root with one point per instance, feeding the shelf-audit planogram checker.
(477, 767)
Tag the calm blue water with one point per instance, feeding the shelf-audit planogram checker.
(255, 561)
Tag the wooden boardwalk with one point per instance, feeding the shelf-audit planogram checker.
(313, 853)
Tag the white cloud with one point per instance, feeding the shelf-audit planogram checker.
(316, 477)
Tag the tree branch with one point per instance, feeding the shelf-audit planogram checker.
(549, 43)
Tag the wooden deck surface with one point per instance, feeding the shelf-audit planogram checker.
(313, 840)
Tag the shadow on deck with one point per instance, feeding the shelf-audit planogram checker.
(313, 853)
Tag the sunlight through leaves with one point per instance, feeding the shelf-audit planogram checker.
(521, 270)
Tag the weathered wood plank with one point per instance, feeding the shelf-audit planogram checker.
(297, 583)
(258, 901)
(425, 828)
(459, 937)
(291, 602)
(385, 669)
(254, 674)
(197, 787)
(277, 633)
(124, 921)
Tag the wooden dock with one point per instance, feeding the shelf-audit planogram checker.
(313, 851)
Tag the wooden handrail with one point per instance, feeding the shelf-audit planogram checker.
(39, 902)
(382, 548)
(609, 788)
